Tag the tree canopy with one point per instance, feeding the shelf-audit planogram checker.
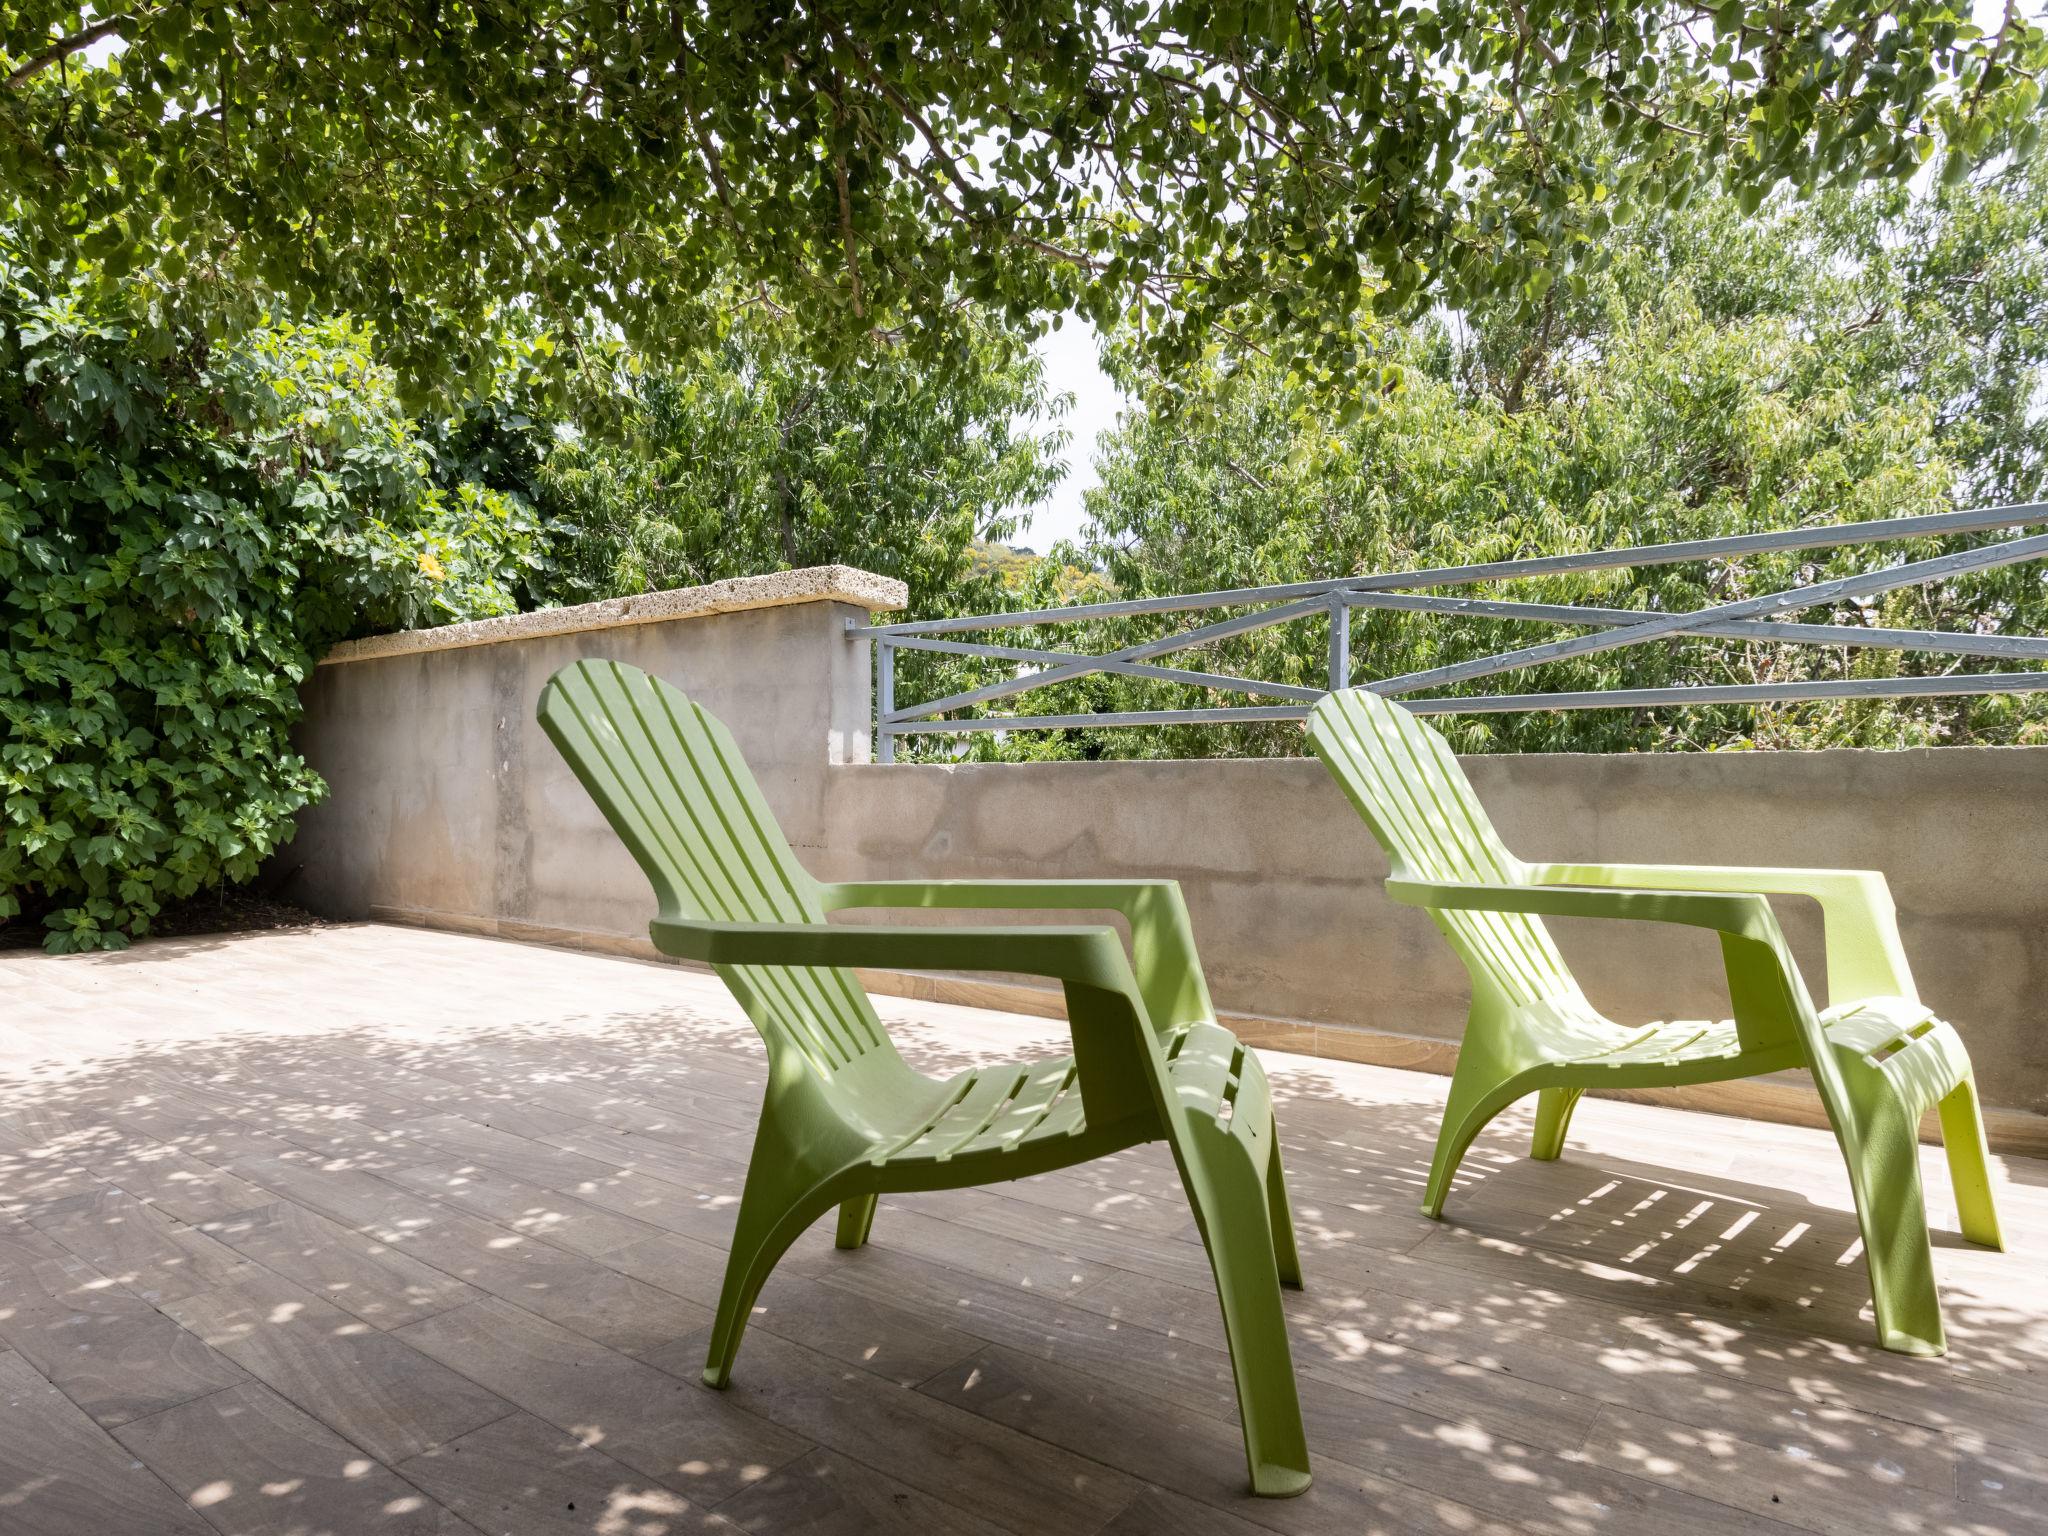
(1263, 171)
(187, 521)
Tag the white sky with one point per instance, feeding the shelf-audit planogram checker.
(1071, 368)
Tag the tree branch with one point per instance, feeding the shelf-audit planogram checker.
(61, 50)
(846, 232)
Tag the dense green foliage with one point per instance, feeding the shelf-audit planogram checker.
(642, 297)
(1196, 170)
(184, 526)
(749, 454)
(1864, 356)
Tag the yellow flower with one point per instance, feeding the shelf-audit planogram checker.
(431, 564)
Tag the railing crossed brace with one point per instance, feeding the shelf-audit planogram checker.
(1613, 628)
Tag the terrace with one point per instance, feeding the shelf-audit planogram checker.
(375, 1229)
(414, 1221)
(439, 1206)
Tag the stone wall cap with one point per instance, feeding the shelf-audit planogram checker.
(813, 584)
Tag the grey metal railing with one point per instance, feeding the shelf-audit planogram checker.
(1613, 628)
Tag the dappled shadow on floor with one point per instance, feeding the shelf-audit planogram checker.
(424, 1248)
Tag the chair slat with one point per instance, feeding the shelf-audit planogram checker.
(1422, 809)
(672, 783)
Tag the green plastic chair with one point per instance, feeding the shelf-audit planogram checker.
(1877, 1055)
(846, 1119)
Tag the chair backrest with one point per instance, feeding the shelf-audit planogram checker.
(670, 780)
(1409, 787)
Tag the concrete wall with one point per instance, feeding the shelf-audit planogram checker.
(448, 806)
(1282, 878)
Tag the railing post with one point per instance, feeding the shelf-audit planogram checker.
(885, 699)
(1340, 642)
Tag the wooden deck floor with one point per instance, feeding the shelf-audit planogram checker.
(372, 1230)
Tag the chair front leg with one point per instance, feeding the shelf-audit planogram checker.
(1879, 1136)
(1229, 1193)
(772, 1216)
(1483, 1083)
(797, 1172)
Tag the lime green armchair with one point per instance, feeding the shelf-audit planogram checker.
(1879, 1057)
(845, 1119)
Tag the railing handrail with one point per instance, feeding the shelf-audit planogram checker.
(1820, 536)
(1614, 628)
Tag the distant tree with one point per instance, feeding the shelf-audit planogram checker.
(1869, 355)
(750, 455)
(1278, 173)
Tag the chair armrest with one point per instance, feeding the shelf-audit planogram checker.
(1769, 997)
(1744, 915)
(1865, 956)
(1090, 956)
(1121, 1068)
(1014, 895)
(1713, 877)
(1168, 971)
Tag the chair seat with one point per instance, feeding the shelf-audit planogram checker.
(993, 1109)
(1920, 1054)
(999, 1109)
(1574, 1034)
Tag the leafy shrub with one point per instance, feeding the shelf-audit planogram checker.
(184, 525)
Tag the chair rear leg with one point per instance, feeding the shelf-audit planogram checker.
(856, 1219)
(1554, 1108)
(1230, 1195)
(1280, 1216)
(1969, 1165)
